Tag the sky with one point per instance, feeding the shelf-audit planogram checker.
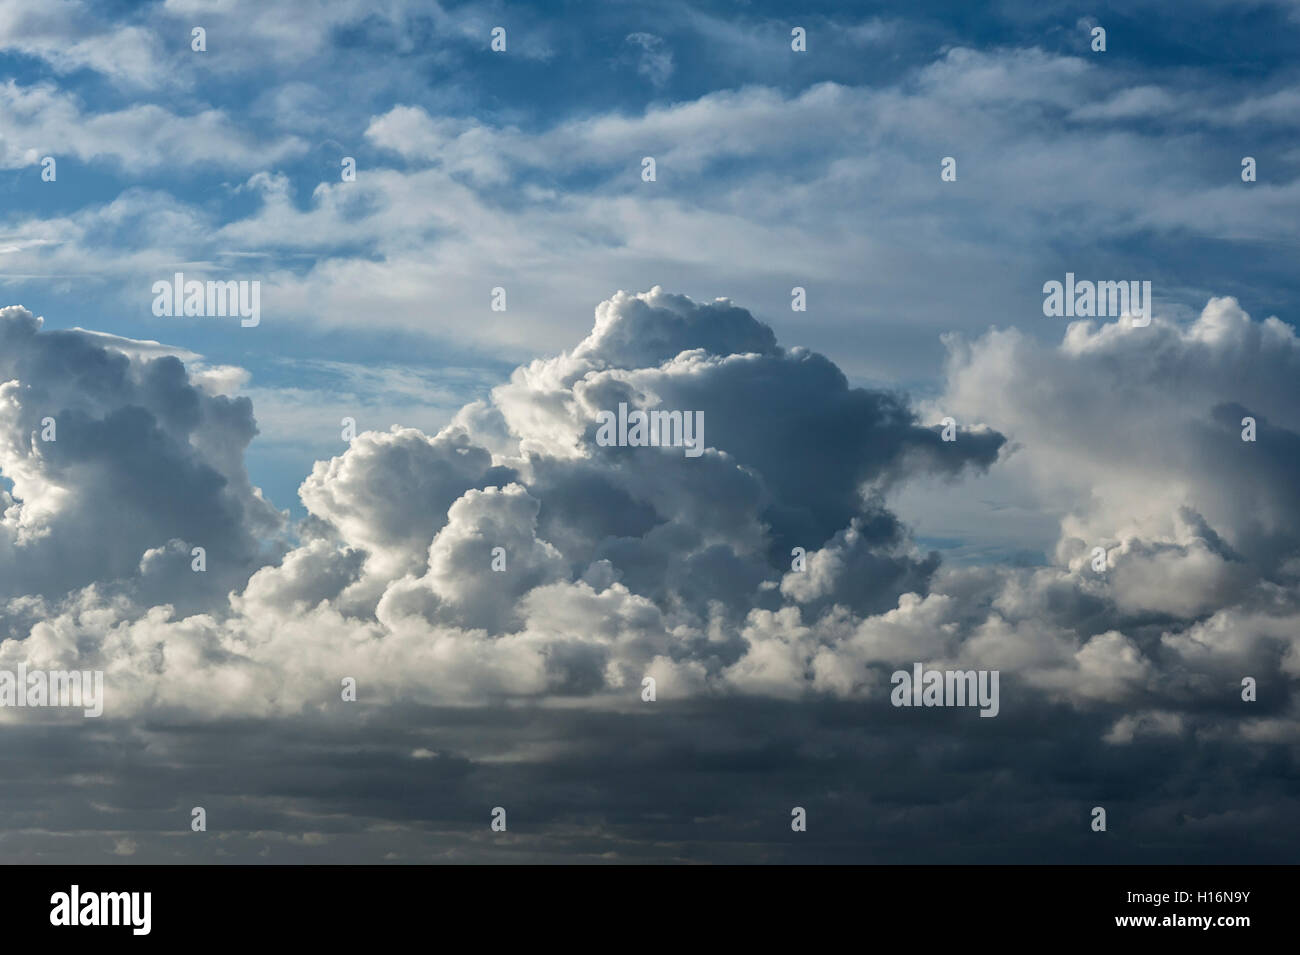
(439, 333)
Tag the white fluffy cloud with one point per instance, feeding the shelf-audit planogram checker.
(621, 563)
(1134, 436)
(40, 121)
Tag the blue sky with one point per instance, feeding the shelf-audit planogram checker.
(817, 169)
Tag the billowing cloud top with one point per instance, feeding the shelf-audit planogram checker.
(513, 557)
(512, 554)
(618, 561)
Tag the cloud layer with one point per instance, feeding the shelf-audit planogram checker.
(621, 563)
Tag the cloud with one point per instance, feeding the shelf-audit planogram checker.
(619, 562)
(41, 120)
(624, 563)
(69, 36)
(654, 59)
(610, 562)
(118, 465)
(1145, 426)
(452, 202)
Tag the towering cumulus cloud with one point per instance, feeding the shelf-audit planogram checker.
(613, 561)
(119, 462)
(500, 591)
